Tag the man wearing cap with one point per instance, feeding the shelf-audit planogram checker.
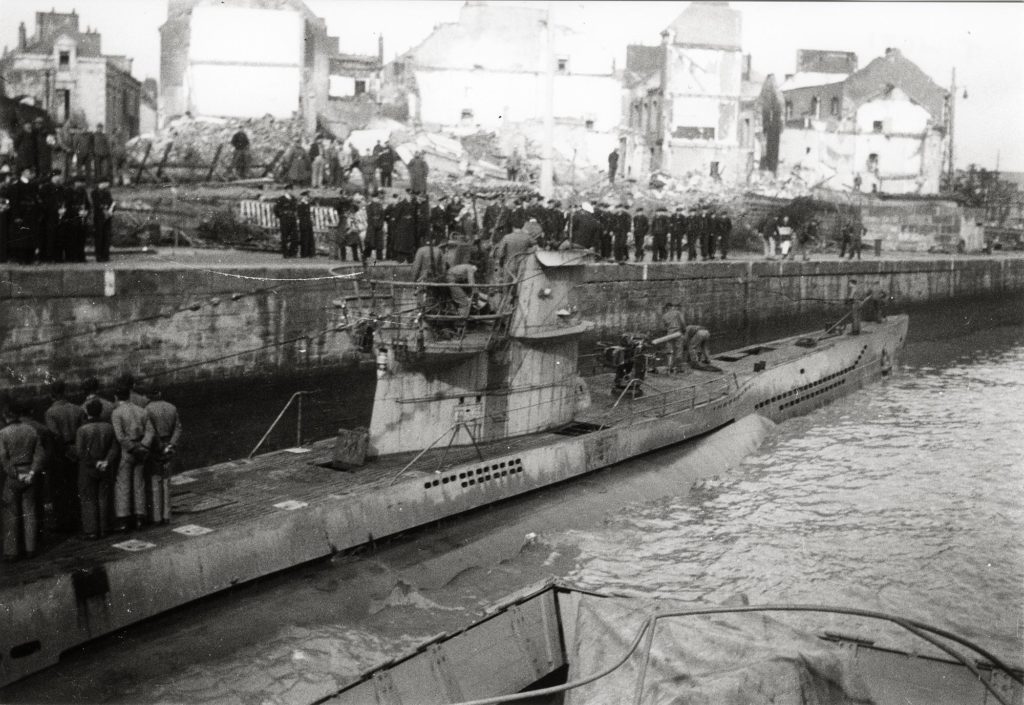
(402, 243)
(661, 225)
(677, 234)
(134, 434)
(386, 162)
(77, 219)
(103, 211)
(286, 210)
(24, 218)
(162, 416)
(64, 419)
(97, 451)
(641, 226)
(6, 179)
(556, 222)
(304, 219)
(374, 227)
(585, 228)
(672, 319)
(439, 220)
(518, 214)
(52, 198)
(21, 461)
(620, 226)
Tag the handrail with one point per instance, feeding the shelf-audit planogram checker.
(918, 629)
(298, 423)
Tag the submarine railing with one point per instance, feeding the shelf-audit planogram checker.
(298, 422)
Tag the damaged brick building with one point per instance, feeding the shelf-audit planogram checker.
(692, 101)
(879, 128)
(62, 69)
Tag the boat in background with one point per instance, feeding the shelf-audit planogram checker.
(556, 644)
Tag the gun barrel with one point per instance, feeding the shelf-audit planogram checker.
(666, 338)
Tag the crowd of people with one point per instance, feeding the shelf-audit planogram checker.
(55, 195)
(394, 228)
(324, 162)
(93, 466)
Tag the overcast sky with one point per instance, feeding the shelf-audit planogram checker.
(982, 40)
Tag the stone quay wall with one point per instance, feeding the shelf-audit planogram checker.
(186, 325)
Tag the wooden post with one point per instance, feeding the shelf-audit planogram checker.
(142, 164)
(163, 160)
(216, 158)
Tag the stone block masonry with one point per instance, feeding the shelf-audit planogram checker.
(179, 325)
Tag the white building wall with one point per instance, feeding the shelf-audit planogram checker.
(896, 112)
(497, 98)
(259, 71)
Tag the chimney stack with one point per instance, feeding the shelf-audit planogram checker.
(22, 37)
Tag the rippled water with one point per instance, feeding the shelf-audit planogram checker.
(907, 497)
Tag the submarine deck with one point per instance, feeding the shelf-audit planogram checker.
(229, 493)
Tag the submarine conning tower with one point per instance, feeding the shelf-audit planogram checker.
(515, 373)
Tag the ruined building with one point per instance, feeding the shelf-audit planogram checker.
(63, 70)
(879, 128)
(244, 58)
(692, 100)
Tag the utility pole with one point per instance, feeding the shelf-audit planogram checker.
(951, 174)
(546, 167)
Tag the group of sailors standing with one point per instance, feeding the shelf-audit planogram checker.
(98, 466)
(45, 219)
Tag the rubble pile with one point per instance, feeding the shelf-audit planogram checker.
(195, 142)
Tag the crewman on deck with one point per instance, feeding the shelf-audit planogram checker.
(672, 319)
(21, 458)
(461, 274)
(660, 227)
(134, 435)
(428, 263)
(697, 347)
(620, 226)
(677, 235)
(507, 252)
(163, 417)
(64, 419)
(97, 451)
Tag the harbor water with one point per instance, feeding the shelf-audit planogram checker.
(904, 497)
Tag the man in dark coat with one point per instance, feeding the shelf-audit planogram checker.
(64, 419)
(661, 225)
(418, 171)
(613, 165)
(677, 235)
(386, 162)
(641, 226)
(374, 227)
(78, 220)
(45, 142)
(604, 245)
(620, 225)
(101, 152)
(82, 146)
(6, 181)
(304, 219)
(25, 145)
(102, 213)
(402, 242)
(555, 222)
(240, 159)
(439, 221)
(52, 198)
(422, 218)
(24, 218)
(286, 210)
(586, 230)
(692, 234)
(518, 215)
(724, 233)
